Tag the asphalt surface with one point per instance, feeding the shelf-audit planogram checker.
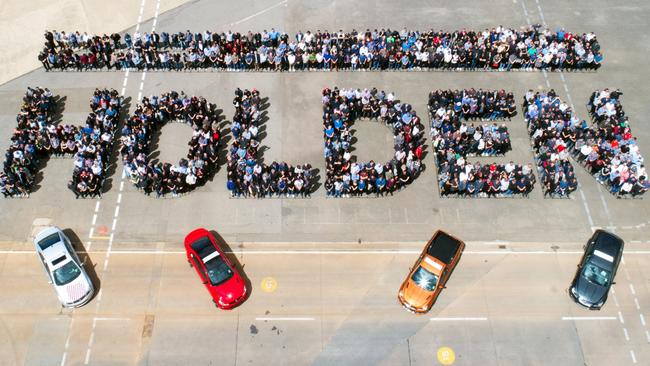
(153, 311)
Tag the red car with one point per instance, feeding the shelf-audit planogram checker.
(219, 276)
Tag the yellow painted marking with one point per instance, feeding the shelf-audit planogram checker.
(446, 356)
(269, 284)
(100, 237)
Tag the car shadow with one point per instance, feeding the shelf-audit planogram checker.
(235, 262)
(84, 257)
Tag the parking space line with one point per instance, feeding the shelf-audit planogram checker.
(588, 318)
(633, 356)
(283, 2)
(620, 317)
(67, 343)
(627, 336)
(452, 319)
(285, 319)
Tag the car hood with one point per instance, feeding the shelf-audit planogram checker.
(233, 287)
(75, 290)
(416, 296)
(589, 293)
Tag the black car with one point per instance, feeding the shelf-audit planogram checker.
(596, 270)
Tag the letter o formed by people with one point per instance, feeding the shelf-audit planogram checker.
(163, 178)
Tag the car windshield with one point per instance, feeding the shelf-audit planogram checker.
(596, 274)
(425, 279)
(66, 273)
(218, 270)
(49, 240)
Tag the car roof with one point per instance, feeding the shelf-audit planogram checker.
(54, 253)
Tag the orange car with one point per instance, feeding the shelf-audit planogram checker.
(430, 273)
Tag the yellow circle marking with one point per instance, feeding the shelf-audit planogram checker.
(269, 284)
(446, 355)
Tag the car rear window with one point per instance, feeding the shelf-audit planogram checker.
(203, 247)
(49, 240)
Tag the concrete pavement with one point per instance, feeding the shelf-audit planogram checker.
(330, 307)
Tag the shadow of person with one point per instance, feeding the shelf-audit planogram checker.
(84, 257)
(234, 260)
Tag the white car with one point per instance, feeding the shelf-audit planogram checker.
(63, 267)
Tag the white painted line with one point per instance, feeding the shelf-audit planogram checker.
(627, 335)
(647, 336)
(114, 318)
(117, 211)
(139, 96)
(67, 343)
(123, 90)
(633, 356)
(92, 231)
(114, 225)
(144, 75)
(142, 84)
(94, 219)
(615, 300)
(97, 206)
(642, 319)
(90, 344)
(122, 185)
(620, 318)
(119, 198)
(636, 303)
(632, 289)
(586, 207)
(284, 319)
(259, 13)
(588, 318)
(452, 319)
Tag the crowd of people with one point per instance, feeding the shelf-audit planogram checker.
(37, 136)
(453, 140)
(606, 149)
(249, 177)
(202, 158)
(345, 176)
(498, 48)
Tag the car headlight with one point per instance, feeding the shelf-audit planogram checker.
(599, 304)
(221, 302)
(574, 292)
(401, 294)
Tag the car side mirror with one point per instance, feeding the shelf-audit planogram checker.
(205, 282)
(613, 283)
